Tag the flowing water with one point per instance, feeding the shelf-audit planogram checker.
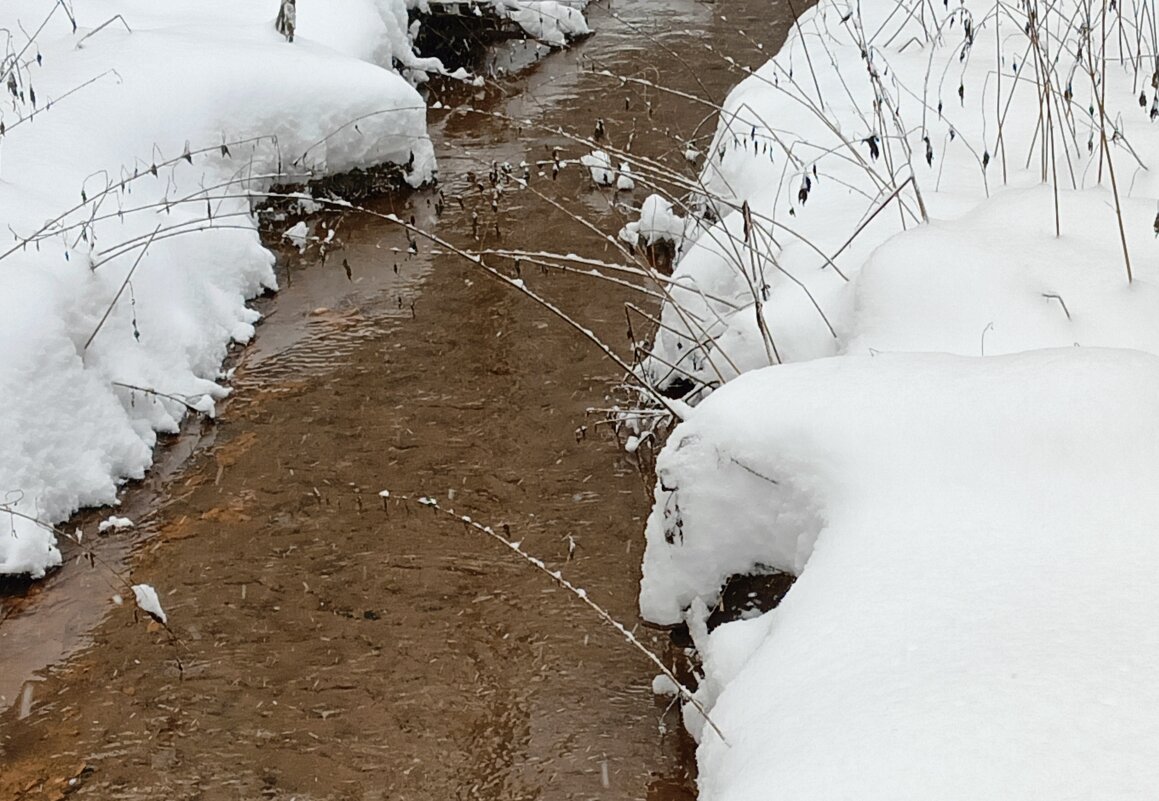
(323, 644)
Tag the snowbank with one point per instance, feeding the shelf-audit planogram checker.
(972, 536)
(976, 614)
(128, 161)
(800, 145)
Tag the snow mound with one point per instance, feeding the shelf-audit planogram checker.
(114, 523)
(599, 164)
(658, 222)
(625, 182)
(119, 312)
(976, 614)
(550, 21)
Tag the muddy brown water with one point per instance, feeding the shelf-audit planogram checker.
(322, 646)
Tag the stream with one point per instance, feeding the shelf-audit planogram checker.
(324, 644)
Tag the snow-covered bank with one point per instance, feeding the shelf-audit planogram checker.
(129, 161)
(977, 615)
(971, 618)
(813, 171)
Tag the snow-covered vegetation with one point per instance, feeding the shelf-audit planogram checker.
(927, 232)
(135, 143)
(135, 140)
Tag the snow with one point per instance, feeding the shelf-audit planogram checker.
(114, 523)
(200, 102)
(975, 615)
(149, 602)
(550, 21)
(806, 171)
(664, 686)
(624, 180)
(943, 427)
(298, 235)
(658, 222)
(599, 164)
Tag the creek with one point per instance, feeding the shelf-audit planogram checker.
(324, 646)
